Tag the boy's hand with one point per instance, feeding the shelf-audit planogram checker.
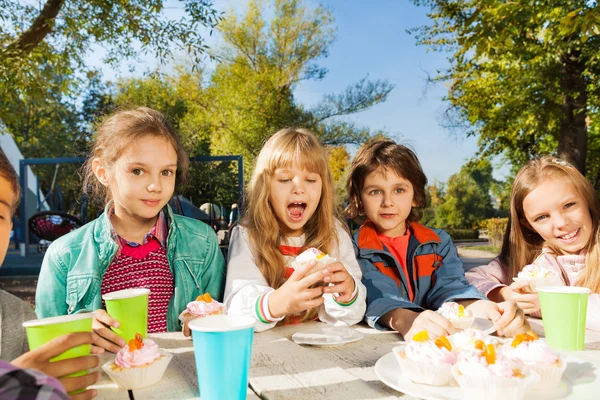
(508, 318)
(39, 359)
(343, 282)
(296, 294)
(519, 292)
(429, 321)
(109, 340)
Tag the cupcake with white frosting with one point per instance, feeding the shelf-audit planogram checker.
(457, 315)
(534, 352)
(312, 254)
(536, 276)
(483, 373)
(425, 360)
(139, 364)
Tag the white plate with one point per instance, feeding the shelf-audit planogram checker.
(328, 336)
(389, 372)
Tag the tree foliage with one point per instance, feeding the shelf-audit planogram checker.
(464, 200)
(523, 75)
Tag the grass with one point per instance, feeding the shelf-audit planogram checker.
(491, 249)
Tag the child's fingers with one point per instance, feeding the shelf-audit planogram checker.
(73, 365)
(520, 285)
(335, 266)
(316, 302)
(512, 316)
(80, 382)
(103, 317)
(336, 277)
(109, 340)
(311, 279)
(525, 297)
(312, 293)
(65, 342)
(88, 394)
(300, 272)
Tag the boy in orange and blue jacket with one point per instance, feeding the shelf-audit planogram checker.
(409, 270)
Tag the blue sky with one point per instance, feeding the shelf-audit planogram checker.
(372, 40)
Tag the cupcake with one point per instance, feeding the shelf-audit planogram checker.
(423, 360)
(201, 307)
(482, 374)
(139, 364)
(467, 339)
(312, 254)
(536, 276)
(534, 352)
(457, 315)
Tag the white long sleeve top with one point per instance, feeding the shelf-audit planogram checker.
(247, 292)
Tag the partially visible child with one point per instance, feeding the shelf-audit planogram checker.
(30, 375)
(553, 224)
(409, 270)
(290, 208)
(137, 242)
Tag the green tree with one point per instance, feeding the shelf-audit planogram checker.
(466, 198)
(523, 75)
(251, 92)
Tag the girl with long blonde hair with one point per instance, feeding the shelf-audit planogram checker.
(290, 208)
(553, 226)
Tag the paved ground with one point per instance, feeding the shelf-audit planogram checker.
(23, 285)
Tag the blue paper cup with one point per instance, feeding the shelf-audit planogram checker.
(222, 349)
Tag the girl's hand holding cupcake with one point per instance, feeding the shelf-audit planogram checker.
(108, 340)
(296, 294)
(519, 292)
(343, 282)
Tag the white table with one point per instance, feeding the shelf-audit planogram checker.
(282, 369)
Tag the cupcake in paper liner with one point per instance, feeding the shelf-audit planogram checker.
(312, 254)
(535, 353)
(457, 315)
(481, 374)
(139, 364)
(467, 340)
(536, 276)
(201, 307)
(423, 360)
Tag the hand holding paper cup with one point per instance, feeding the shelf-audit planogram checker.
(41, 331)
(130, 308)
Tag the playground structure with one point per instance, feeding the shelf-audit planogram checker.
(49, 225)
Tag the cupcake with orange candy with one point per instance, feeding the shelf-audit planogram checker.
(139, 364)
(201, 307)
(484, 373)
(425, 360)
(457, 315)
(534, 352)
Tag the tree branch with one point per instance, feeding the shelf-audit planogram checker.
(38, 30)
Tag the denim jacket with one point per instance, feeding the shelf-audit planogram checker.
(73, 267)
(435, 272)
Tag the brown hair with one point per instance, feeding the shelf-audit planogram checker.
(522, 244)
(385, 155)
(119, 131)
(8, 172)
(285, 148)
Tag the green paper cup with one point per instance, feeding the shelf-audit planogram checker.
(564, 310)
(130, 308)
(41, 331)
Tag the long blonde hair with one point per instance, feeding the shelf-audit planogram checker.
(285, 148)
(522, 244)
